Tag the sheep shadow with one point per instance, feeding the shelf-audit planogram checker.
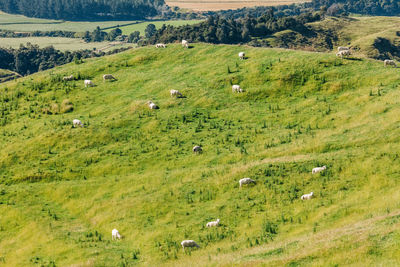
(353, 58)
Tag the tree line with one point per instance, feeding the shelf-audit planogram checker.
(332, 7)
(29, 58)
(217, 29)
(85, 9)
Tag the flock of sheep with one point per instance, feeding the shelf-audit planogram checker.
(343, 51)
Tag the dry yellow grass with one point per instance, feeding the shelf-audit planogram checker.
(210, 5)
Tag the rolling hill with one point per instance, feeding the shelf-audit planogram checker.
(63, 189)
(7, 75)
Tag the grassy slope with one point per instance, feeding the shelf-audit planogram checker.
(63, 190)
(360, 32)
(6, 75)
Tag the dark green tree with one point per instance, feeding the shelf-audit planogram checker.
(150, 30)
(134, 37)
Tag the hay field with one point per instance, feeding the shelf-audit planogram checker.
(213, 5)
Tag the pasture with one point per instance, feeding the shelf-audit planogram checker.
(25, 24)
(214, 5)
(361, 33)
(63, 189)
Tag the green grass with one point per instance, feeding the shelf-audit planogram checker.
(6, 18)
(6, 75)
(25, 24)
(62, 190)
(361, 32)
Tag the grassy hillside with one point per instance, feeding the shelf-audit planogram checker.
(361, 34)
(63, 189)
(6, 75)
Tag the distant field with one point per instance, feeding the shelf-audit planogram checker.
(212, 5)
(22, 23)
(25, 24)
(10, 18)
(142, 26)
(62, 26)
(58, 42)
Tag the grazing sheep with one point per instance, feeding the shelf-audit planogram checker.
(318, 169)
(236, 89)
(188, 244)
(152, 105)
(389, 62)
(213, 224)
(185, 44)
(342, 48)
(307, 196)
(197, 149)
(343, 53)
(175, 93)
(77, 123)
(161, 46)
(246, 181)
(69, 78)
(88, 83)
(108, 77)
(241, 55)
(115, 234)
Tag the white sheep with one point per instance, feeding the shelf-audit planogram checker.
(69, 78)
(185, 44)
(88, 83)
(152, 105)
(197, 149)
(307, 196)
(175, 93)
(77, 123)
(343, 53)
(389, 62)
(108, 77)
(115, 234)
(213, 224)
(343, 48)
(188, 244)
(236, 89)
(161, 46)
(246, 181)
(241, 55)
(318, 169)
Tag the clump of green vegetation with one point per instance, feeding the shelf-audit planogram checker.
(63, 189)
(66, 106)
